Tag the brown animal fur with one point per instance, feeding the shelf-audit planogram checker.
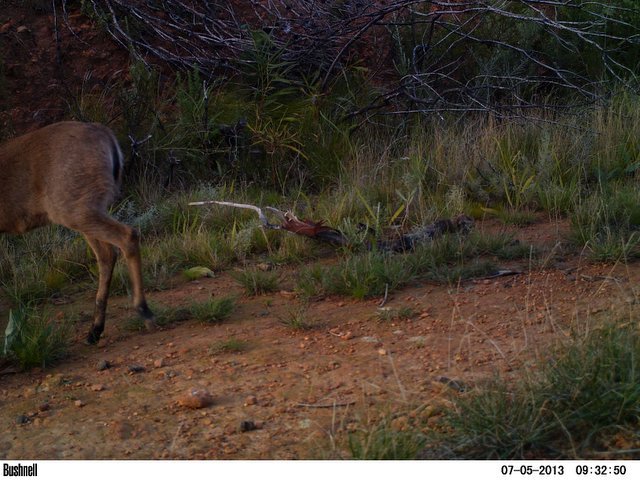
(69, 173)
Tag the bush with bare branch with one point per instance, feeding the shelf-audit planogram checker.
(437, 55)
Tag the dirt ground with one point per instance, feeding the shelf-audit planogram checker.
(298, 388)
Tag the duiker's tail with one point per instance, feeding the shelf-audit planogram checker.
(117, 159)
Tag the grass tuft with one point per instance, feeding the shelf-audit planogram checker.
(257, 282)
(232, 345)
(215, 310)
(37, 339)
(385, 441)
(298, 320)
(577, 405)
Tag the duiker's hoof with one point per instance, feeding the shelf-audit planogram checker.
(93, 337)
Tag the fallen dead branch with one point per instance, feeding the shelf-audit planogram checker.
(317, 230)
(289, 222)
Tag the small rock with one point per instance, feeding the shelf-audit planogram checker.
(29, 392)
(79, 403)
(103, 365)
(22, 29)
(453, 383)
(368, 339)
(22, 419)
(52, 382)
(196, 398)
(382, 351)
(247, 425)
(43, 407)
(135, 368)
(347, 335)
(122, 430)
(159, 363)
(250, 400)
(417, 339)
(198, 272)
(98, 387)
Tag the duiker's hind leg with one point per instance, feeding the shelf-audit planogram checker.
(105, 229)
(106, 257)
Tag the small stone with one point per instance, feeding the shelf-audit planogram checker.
(196, 398)
(22, 419)
(43, 407)
(250, 400)
(135, 368)
(79, 403)
(368, 339)
(382, 351)
(453, 383)
(159, 363)
(347, 335)
(30, 392)
(98, 387)
(22, 29)
(103, 365)
(247, 425)
(122, 430)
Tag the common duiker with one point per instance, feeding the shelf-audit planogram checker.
(69, 173)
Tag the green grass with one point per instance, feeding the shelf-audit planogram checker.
(388, 314)
(257, 282)
(231, 345)
(298, 319)
(383, 437)
(38, 339)
(587, 395)
(583, 403)
(607, 223)
(445, 260)
(164, 316)
(215, 310)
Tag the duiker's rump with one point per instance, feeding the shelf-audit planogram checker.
(69, 173)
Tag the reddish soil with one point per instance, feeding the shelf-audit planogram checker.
(300, 388)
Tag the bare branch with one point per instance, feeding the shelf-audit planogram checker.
(453, 55)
